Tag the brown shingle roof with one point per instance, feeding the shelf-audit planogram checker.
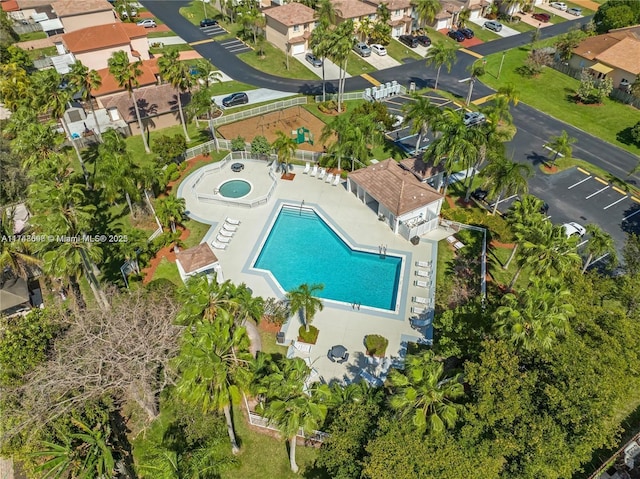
(109, 84)
(102, 36)
(421, 169)
(152, 101)
(196, 258)
(394, 187)
(591, 47)
(392, 4)
(66, 8)
(291, 14)
(624, 55)
(353, 8)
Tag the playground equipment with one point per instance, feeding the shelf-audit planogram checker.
(302, 135)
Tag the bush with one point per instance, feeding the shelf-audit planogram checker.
(497, 226)
(170, 148)
(635, 133)
(276, 311)
(376, 345)
(311, 337)
(238, 144)
(260, 145)
(330, 106)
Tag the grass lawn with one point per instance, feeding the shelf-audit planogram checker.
(160, 34)
(25, 37)
(167, 270)
(522, 27)
(183, 47)
(274, 62)
(399, 51)
(197, 10)
(484, 34)
(269, 344)
(356, 65)
(42, 52)
(604, 121)
(585, 11)
(197, 232)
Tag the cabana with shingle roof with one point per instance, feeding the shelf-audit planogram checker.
(409, 206)
(198, 260)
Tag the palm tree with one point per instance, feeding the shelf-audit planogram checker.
(170, 210)
(441, 54)
(177, 74)
(423, 392)
(320, 44)
(327, 12)
(504, 177)
(289, 404)
(215, 366)
(426, 11)
(202, 298)
(84, 81)
(364, 28)
(15, 255)
(15, 85)
(339, 52)
(126, 75)
(422, 112)
(599, 244)
(115, 171)
(303, 301)
(560, 145)
(510, 92)
(523, 215)
(36, 142)
(285, 147)
(463, 17)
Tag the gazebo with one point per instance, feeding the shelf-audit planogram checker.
(409, 206)
(198, 260)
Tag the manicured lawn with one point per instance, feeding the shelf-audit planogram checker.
(604, 121)
(274, 62)
(400, 51)
(195, 11)
(484, 34)
(269, 344)
(25, 37)
(356, 65)
(522, 27)
(160, 34)
(183, 47)
(167, 270)
(41, 53)
(197, 232)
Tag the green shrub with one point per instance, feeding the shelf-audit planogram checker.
(311, 337)
(276, 311)
(169, 148)
(376, 345)
(260, 145)
(237, 144)
(497, 227)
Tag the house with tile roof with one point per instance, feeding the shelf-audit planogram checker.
(93, 46)
(408, 205)
(402, 19)
(78, 14)
(289, 27)
(614, 55)
(355, 10)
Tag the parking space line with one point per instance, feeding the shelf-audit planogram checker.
(615, 202)
(484, 99)
(599, 191)
(370, 79)
(394, 102)
(622, 192)
(201, 42)
(600, 180)
(632, 214)
(469, 52)
(579, 182)
(583, 171)
(635, 199)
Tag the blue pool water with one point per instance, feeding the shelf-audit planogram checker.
(235, 189)
(302, 248)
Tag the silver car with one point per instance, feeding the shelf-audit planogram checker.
(559, 5)
(493, 25)
(575, 11)
(362, 49)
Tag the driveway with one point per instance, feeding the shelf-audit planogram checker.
(331, 70)
(255, 96)
(555, 11)
(380, 63)
(505, 32)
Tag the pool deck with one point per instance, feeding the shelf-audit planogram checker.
(338, 323)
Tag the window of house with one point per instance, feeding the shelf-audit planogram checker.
(624, 81)
(397, 12)
(296, 28)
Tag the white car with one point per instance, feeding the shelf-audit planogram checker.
(147, 23)
(124, 14)
(398, 121)
(574, 229)
(378, 49)
(473, 118)
(559, 5)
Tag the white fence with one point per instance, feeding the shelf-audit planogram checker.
(261, 110)
(260, 421)
(354, 95)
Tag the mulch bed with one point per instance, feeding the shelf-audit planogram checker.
(166, 252)
(288, 176)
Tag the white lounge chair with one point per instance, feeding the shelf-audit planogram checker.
(314, 171)
(421, 284)
(226, 233)
(302, 347)
(321, 173)
(336, 181)
(222, 239)
(420, 300)
(329, 178)
(424, 274)
(306, 169)
(423, 264)
(418, 310)
(231, 221)
(217, 245)
(451, 239)
(231, 228)
(458, 245)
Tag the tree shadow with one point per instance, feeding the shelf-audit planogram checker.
(625, 136)
(632, 223)
(536, 158)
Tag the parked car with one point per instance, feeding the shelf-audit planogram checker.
(456, 35)
(409, 41)
(559, 5)
(314, 60)
(574, 229)
(362, 49)
(378, 49)
(544, 209)
(473, 118)
(467, 32)
(234, 99)
(479, 194)
(208, 22)
(493, 25)
(124, 14)
(541, 17)
(423, 40)
(575, 11)
(398, 121)
(147, 23)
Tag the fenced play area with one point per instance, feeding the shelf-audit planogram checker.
(297, 122)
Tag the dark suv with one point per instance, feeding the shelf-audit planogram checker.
(423, 40)
(208, 22)
(457, 35)
(467, 32)
(409, 41)
(234, 99)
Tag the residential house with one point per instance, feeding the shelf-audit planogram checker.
(408, 205)
(80, 14)
(93, 46)
(612, 55)
(402, 19)
(355, 10)
(448, 16)
(479, 8)
(289, 27)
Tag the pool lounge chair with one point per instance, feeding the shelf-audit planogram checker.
(222, 239)
(231, 228)
(217, 245)
(306, 169)
(424, 274)
(226, 233)
(421, 284)
(420, 300)
(314, 171)
(302, 347)
(423, 264)
(231, 221)
(336, 182)
(321, 173)
(329, 178)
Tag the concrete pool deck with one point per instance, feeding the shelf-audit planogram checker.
(339, 323)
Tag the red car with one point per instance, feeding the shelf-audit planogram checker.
(542, 17)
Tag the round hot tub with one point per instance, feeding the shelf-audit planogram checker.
(235, 189)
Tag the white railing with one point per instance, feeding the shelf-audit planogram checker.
(241, 115)
(261, 421)
(353, 95)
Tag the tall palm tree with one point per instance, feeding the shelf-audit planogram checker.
(126, 75)
(342, 44)
(426, 11)
(327, 12)
(115, 170)
(15, 85)
(16, 255)
(84, 81)
(170, 210)
(560, 145)
(215, 366)
(202, 298)
(510, 92)
(364, 28)
(504, 177)
(523, 215)
(600, 243)
(421, 112)
(425, 393)
(303, 301)
(178, 74)
(441, 54)
(36, 142)
(321, 43)
(285, 147)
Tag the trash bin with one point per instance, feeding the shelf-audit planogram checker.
(280, 338)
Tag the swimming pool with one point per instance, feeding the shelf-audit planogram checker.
(235, 188)
(302, 248)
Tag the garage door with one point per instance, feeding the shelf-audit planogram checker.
(297, 49)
